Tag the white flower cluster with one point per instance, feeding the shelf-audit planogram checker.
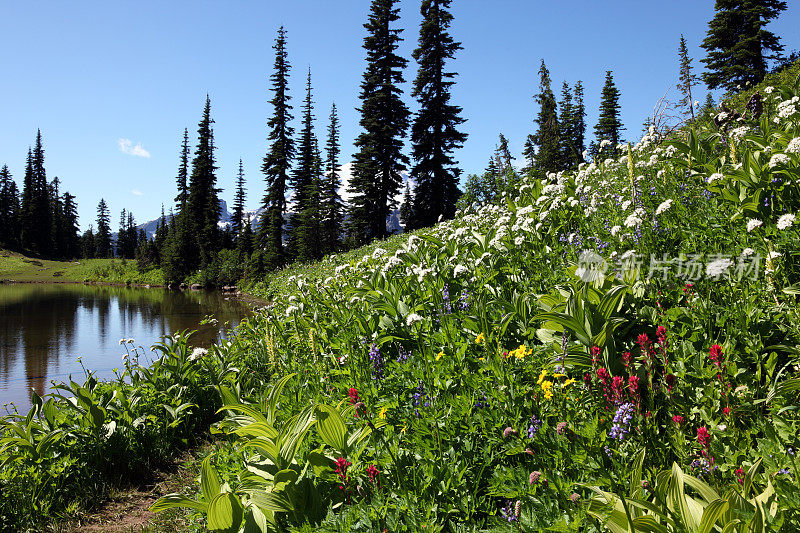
(664, 206)
(787, 108)
(794, 146)
(714, 177)
(778, 159)
(785, 221)
(753, 223)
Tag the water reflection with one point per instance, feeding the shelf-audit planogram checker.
(45, 328)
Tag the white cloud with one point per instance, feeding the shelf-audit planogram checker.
(126, 146)
(137, 192)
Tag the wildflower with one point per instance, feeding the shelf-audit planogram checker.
(509, 512)
(458, 270)
(567, 383)
(382, 413)
(703, 436)
(533, 429)
(342, 465)
(670, 379)
(633, 385)
(439, 355)
(509, 432)
(793, 146)
(778, 159)
(663, 207)
(739, 475)
(373, 473)
(622, 421)
(678, 420)
(480, 338)
(753, 223)
(715, 354)
(541, 377)
(547, 389)
(632, 220)
(716, 268)
(615, 230)
(714, 177)
(726, 410)
(412, 319)
(785, 221)
(197, 353)
(561, 427)
(574, 497)
(353, 394)
(534, 477)
(626, 359)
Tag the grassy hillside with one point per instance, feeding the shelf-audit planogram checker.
(17, 267)
(610, 349)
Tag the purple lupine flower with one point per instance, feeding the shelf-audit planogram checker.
(533, 429)
(402, 355)
(622, 421)
(509, 511)
(376, 359)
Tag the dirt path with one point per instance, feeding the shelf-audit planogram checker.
(128, 510)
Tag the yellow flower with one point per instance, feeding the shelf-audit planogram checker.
(403, 431)
(559, 375)
(439, 355)
(547, 388)
(480, 358)
(541, 377)
(382, 414)
(479, 339)
(569, 382)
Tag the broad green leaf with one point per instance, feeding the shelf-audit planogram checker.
(331, 428)
(209, 480)
(225, 513)
(175, 500)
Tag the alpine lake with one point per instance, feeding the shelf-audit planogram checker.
(51, 332)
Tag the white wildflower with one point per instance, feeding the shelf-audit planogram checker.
(753, 223)
(378, 253)
(716, 268)
(785, 221)
(197, 353)
(615, 230)
(632, 221)
(793, 146)
(778, 159)
(737, 134)
(714, 177)
(291, 310)
(458, 270)
(412, 319)
(747, 252)
(774, 255)
(769, 89)
(664, 206)
(625, 205)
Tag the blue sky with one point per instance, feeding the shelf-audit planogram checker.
(113, 84)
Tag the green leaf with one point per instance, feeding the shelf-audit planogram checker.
(711, 514)
(331, 427)
(209, 480)
(270, 501)
(225, 513)
(175, 500)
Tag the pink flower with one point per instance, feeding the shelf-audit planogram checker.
(715, 354)
(373, 473)
(353, 393)
(678, 420)
(508, 432)
(626, 358)
(739, 475)
(703, 436)
(726, 410)
(670, 381)
(534, 477)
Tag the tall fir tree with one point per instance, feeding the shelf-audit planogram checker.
(183, 173)
(686, 79)
(379, 162)
(71, 243)
(579, 123)
(407, 209)
(203, 209)
(278, 160)
(738, 44)
(102, 240)
(36, 217)
(332, 208)
(303, 236)
(434, 133)
(609, 126)
(528, 153)
(237, 220)
(546, 136)
(56, 219)
(566, 126)
(88, 244)
(8, 208)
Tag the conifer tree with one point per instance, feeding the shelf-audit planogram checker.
(303, 223)
(102, 240)
(738, 44)
(183, 173)
(528, 152)
(278, 160)
(434, 133)
(88, 245)
(546, 136)
(237, 220)
(56, 219)
(407, 209)
(609, 125)
(244, 244)
(379, 161)
(71, 243)
(579, 123)
(503, 156)
(203, 209)
(332, 210)
(8, 210)
(36, 217)
(686, 79)
(566, 124)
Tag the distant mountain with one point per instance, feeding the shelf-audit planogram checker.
(345, 171)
